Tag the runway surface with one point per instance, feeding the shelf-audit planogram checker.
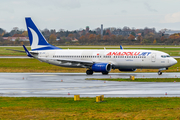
(69, 84)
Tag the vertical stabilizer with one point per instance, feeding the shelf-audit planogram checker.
(37, 40)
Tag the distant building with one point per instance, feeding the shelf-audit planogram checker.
(170, 32)
(16, 38)
(101, 29)
(98, 31)
(138, 34)
(123, 33)
(87, 29)
(74, 40)
(112, 29)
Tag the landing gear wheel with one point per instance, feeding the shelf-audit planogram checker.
(105, 73)
(159, 73)
(89, 72)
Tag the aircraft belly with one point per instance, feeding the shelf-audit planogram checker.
(127, 63)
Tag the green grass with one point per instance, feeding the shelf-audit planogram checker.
(33, 65)
(139, 79)
(87, 108)
(5, 52)
(171, 51)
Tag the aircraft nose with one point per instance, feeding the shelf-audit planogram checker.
(173, 61)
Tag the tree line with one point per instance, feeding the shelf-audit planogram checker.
(117, 36)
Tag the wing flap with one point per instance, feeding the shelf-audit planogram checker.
(83, 62)
(76, 61)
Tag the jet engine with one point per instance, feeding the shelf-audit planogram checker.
(101, 67)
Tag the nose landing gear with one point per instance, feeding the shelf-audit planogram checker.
(159, 73)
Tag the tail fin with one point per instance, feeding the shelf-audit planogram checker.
(37, 40)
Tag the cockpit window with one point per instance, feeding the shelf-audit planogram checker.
(165, 56)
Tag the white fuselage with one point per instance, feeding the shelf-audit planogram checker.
(120, 59)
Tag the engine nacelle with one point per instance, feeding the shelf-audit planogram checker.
(101, 67)
(128, 70)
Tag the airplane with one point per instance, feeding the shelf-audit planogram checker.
(95, 60)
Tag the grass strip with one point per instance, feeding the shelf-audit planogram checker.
(139, 79)
(87, 108)
(172, 51)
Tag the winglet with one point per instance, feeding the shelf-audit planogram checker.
(121, 47)
(27, 52)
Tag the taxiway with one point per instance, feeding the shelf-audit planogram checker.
(69, 84)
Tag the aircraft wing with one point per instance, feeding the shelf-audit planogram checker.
(82, 63)
(76, 61)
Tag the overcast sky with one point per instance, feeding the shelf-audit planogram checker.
(76, 14)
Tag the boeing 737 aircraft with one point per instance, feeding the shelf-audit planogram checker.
(95, 60)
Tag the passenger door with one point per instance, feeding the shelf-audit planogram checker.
(153, 57)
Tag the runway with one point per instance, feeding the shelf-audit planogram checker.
(69, 84)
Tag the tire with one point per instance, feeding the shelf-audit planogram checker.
(105, 73)
(89, 72)
(159, 73)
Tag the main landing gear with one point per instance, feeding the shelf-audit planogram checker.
(105, 73)
(159, 73)
(89, 72)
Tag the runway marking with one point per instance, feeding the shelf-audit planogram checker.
(43, 75)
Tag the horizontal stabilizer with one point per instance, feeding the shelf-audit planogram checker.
(16, 50)
(27, 52)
